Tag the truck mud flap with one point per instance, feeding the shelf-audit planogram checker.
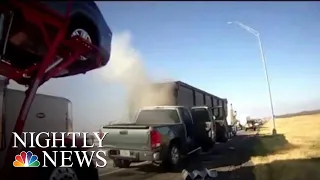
(196, 174)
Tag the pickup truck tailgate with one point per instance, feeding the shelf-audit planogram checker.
(127, 137)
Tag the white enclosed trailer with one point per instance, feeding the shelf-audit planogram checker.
(47, 113)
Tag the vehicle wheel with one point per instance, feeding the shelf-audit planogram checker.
(173, 161)
(174, 156)
(84, 30)
(224, 137)
(213, 137)
(60, 173)
(121, 163)
(76, 172)
(234, 133)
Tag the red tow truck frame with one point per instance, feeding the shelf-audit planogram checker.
(68, 50)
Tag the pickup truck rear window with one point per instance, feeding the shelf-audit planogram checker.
(159, 116)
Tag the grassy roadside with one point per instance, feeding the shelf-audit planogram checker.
(293, 154)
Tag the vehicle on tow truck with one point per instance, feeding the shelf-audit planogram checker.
(161, 134)
(40, 41)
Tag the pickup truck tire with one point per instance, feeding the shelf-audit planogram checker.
(173, 161)
(213, 137)
(224, 136)
(234, 133)
(120, 163)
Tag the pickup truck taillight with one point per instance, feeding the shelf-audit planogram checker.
(155, 138)
(100, 133)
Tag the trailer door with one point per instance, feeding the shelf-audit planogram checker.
(47, 113)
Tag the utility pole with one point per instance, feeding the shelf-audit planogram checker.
(257, 35)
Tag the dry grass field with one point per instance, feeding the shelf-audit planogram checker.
(293, 154)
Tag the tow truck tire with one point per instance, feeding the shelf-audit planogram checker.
(120, 163)
(73, 173)
(61, 173)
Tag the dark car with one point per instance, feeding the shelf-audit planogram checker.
(27, 46)
(251, 124)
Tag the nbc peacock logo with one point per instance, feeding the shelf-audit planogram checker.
(26, 159)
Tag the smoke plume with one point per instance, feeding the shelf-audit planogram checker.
(127, 69)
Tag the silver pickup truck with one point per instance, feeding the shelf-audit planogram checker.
(163, 134)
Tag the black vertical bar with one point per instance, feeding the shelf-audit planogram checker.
(194, 97)
(176, 93)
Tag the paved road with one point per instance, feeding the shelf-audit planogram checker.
(228, 159)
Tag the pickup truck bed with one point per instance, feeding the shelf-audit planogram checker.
(118, 136)
(136, 142)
